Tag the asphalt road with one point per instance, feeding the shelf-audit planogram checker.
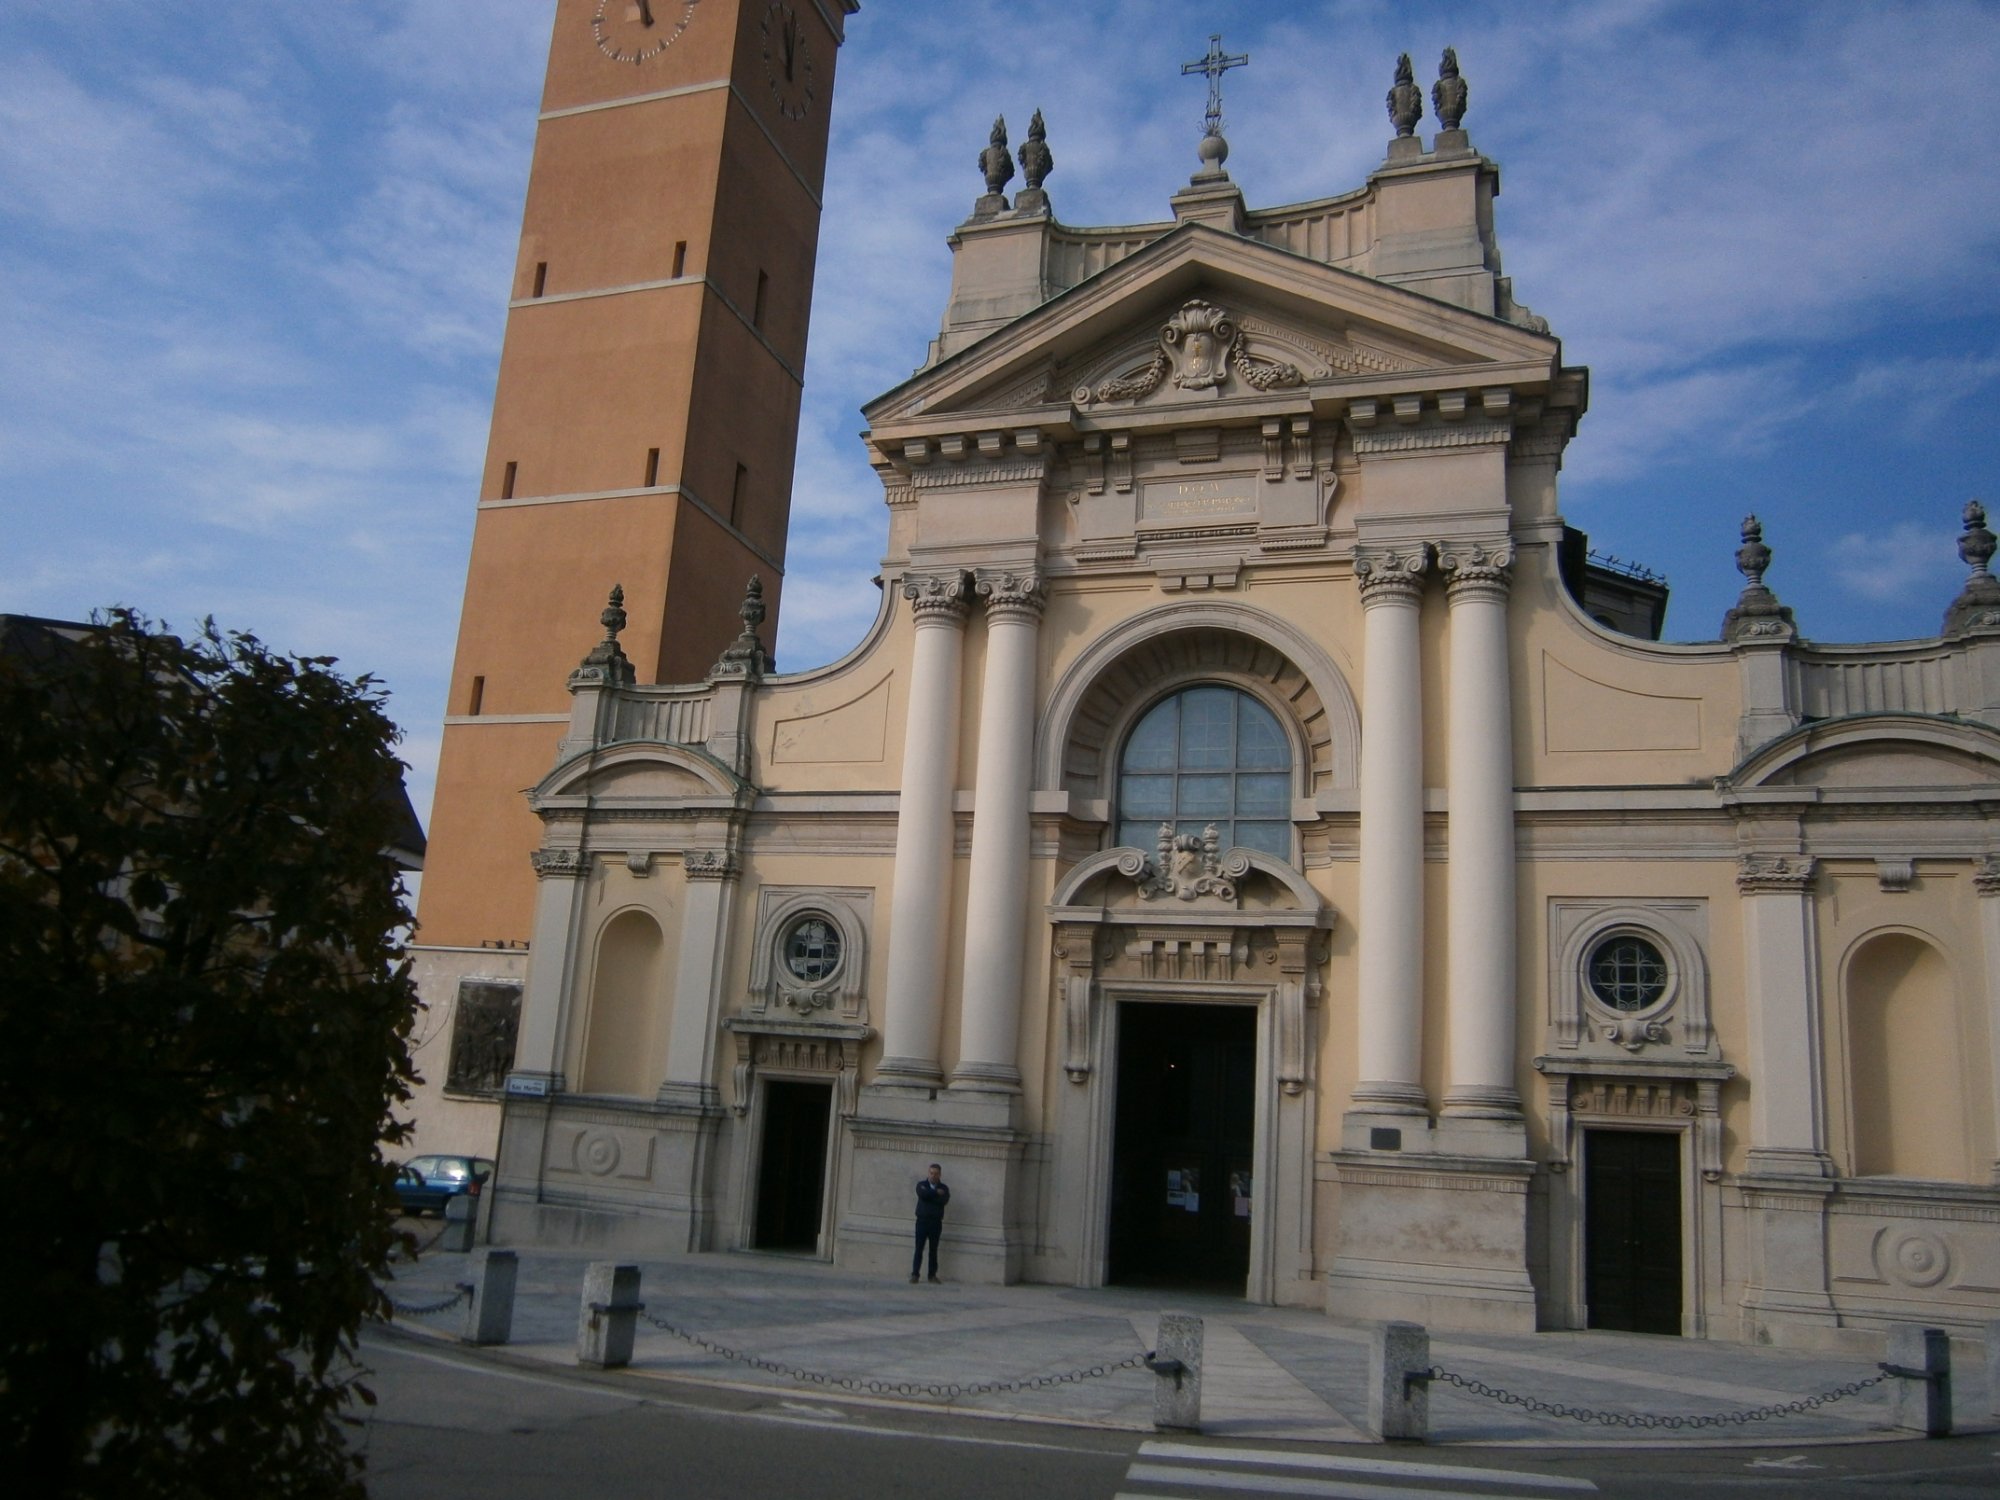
(453, 1423)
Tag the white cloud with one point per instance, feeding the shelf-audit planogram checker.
(1903, 563)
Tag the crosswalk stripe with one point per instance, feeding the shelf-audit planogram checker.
(1456, 1473)
(1281, 1484)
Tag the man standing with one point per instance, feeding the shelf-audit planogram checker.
(932, 1196)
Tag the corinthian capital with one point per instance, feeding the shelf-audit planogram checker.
(1007, 591)
(1475, 569)
(1391, 574)
(938, 596)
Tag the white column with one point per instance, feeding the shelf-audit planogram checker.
(997, 888)
(1480, 934)
(698, 975)
(1986, 880)
(920, 900)
(1391, 921)
(560, 877)
(1781, 987)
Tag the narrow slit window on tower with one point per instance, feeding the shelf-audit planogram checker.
(680, 258)
(541, 276)
(652, 467)
(736, 495)
(757, 308)
(478, 696)
(507, 481)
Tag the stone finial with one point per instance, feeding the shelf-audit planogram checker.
(607, 663)
(1406, 100)
(1037, 161)
(1977, 606)
(994, 161)
(745, 656)
(1448, 94)
(1757, 614)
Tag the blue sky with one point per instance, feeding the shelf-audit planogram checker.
(254, 261)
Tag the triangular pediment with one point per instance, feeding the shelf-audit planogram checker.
(1202, 316)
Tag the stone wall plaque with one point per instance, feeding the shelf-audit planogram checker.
(1190, 502)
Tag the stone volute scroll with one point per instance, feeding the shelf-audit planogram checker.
(607, 665)
(1757, 615)
(1200, 347)
(1391, 573)
(938, 595)
(1016, 592)
(1037, 161)
(1405, 100)
(1475, 568)
(1448, 94)
(996, 165)
(1188, 868)
(1977, 606)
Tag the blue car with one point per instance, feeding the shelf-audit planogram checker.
(424, 1184)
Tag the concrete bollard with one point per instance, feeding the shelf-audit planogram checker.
(1922, 1357)
(1993, 1367)
(489, 1317)
(459, 1213)
(1176, 1363)
(610, 1309)
(1399, 1390)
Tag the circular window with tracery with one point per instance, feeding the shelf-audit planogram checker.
(812, 950)
(1627, 973)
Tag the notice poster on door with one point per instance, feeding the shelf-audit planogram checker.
(1184, 1188)
(1239, 1194)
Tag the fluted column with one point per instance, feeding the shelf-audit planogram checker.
(997, 892)
(1480, 934)
(1391, 922)
(920, 900)
(1781, 989)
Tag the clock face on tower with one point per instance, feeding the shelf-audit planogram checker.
(632, 31)
(788, 61)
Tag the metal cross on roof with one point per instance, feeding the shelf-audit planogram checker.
(1215, 64)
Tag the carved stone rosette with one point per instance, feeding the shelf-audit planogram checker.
(1762, 874)
(1006, 592)
(562, 862)
(938, 596)
(1475, 569)
(1391, 575)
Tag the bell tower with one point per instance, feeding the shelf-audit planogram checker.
(646, 415)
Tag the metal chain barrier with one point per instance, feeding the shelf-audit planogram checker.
(1673, 1422)
(945, 1391)
(396, 1252)
(463, 1293)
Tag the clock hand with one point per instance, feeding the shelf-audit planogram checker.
(645, 13)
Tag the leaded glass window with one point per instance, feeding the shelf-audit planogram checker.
(1627, 973)
(812, 950)
(1207, 754)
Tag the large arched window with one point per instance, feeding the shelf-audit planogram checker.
(1207, 754)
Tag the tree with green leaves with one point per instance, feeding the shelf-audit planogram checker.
(204, 1021)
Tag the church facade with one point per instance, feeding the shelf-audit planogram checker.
(1255, 847)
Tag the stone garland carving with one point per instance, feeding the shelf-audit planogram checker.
(1632, 1034)
(1760, 874)
(1199, 345)
(1006, 592)
(1187, 867)
(549, 862)
(938, 595)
